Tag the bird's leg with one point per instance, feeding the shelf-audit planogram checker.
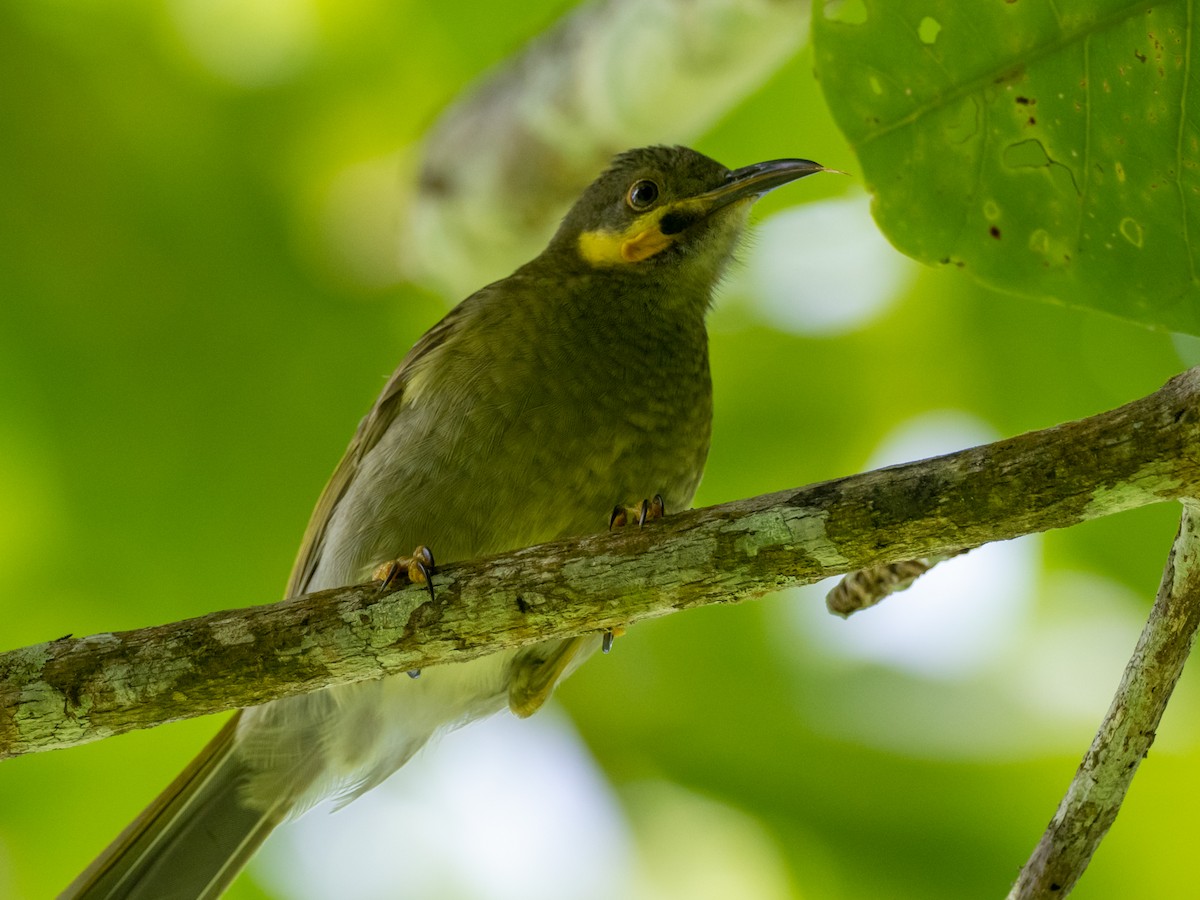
(646, 511)
(415, 569)
(535, 672)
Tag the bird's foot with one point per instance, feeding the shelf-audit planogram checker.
(415, 569)
(536, 671)
(644, 512)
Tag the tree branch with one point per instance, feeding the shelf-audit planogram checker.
(1098, 789)
(72, 691)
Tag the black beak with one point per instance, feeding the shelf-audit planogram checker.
(756, 180)
(747, 183)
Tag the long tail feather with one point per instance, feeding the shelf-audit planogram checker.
(190, 842)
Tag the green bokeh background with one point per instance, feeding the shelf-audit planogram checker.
(182, 360)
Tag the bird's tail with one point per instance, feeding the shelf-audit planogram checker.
(191, 841)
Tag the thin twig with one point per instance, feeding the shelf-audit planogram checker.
(1092, 801)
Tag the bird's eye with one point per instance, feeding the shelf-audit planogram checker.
(642, 195)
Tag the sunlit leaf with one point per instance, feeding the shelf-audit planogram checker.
(1051, 149)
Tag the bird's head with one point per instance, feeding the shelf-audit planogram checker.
(668, 210)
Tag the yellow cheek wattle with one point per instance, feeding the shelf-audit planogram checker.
(641, 240)
(645, 245)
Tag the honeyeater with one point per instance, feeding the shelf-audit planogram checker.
(576, 384)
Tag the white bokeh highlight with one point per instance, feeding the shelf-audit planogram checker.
(962, 615)
(986, 657)
(1069, 664)
(503, 810)
(822, 269)
(1045, 693)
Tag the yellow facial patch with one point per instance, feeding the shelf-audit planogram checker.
(641, 240)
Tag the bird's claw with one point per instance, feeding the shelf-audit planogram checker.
(609, 636)
(415, 569)
(644, 512)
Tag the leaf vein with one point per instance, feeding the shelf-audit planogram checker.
(1021, 59)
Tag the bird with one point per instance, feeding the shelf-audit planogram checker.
(574, 390)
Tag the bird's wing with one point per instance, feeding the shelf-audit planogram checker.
(374, 425)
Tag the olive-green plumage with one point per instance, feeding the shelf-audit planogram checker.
(578, 383)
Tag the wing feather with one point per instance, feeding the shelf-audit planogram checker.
(374, 425)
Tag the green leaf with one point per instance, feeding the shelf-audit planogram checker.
(1051, 149)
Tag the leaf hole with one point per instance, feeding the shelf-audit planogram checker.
(928, 30)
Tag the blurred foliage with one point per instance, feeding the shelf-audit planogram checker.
(1048, 148)
(187, 341)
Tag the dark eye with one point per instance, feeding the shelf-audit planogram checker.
(642, 195)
